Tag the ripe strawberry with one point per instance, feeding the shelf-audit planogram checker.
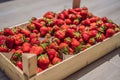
(67, 40)
(91, 41)
(19, 39)
(93, 33)
(77, 35)
(61, 16)
(31, 26)
(8, 31)
(84, 13)
(75, 43)
(43, 61)
(81, 28)
(25, 32)
(110, 32)
(68, 21)
(34, 41)
(71, 51)
(52, 53)
(19, 65)
(33, 35)
(65, 27)
(85, 36)
(64, 48)
(76, 21)
(10, 42)
(59, 22)
(2, 39)
(109, 25)
(100, 37)
(3, 48)
(49, 14)
(36, 50)
(39, 70)
(56, 60)
(56, 28)
(104, 19)
(77, 9)
(43, 31)
(35, 31)
(70, 32)
(74, 27)
(66, 13)
(37, 24)
(53, 45)
(26, 47)
(56, 40)
(72, 17)
(60, 34)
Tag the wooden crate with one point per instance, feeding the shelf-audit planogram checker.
(69, 65)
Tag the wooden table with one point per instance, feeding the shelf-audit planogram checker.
(17, 11)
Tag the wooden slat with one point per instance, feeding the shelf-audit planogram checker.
(76, 3)
(29, 64)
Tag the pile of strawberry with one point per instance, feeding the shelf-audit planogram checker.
(67, 32)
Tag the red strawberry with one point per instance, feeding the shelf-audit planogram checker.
(70, 32)
(34, 41)
(43, 61)
(83, 13)
(76, 21)
(52, 53)
(36, 50)
(100, 37)
(65, 27)
(110, 32)
(59, 22)
(10, 42)
(56, 40)
(77, 35)
(65, 12)
(26, 47)
(61, 16)
(19, 65)
(72, 17)
(37, 24)
(91, 41)
(3, 48)
(60, 34)
(56, 60)
(93, 33)
(53, 45)
(49, 14)
(43, 31)
(39, 70)
(35, 31)
(8, 31)
(19, 39)
(33, 35)
(63, 48)
(82, 28)
(56, 28)
(25, 32)
(2, 39)
(85, 36)
(68, 21)
(31, 26)
(67, 40)
(77, 9)
(109, 25)
(75, 43)
(104, 19)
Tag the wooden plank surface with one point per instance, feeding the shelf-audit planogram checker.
(17, 11)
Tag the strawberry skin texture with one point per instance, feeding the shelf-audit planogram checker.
(43, 61)
(26, 47)
(19, 65)
(36, 50)
(109, 32)
(56, 60)
(60, 34)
